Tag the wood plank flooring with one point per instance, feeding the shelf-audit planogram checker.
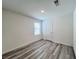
(42, 49)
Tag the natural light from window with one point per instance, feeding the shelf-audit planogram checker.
(37, 28)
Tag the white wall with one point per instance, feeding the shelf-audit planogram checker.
(74, 31)
(59, 29)
(17, 31)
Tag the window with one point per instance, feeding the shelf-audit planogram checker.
(37, 28)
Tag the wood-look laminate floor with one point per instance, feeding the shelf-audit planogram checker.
(42, 49)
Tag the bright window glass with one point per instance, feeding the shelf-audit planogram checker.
(37, 28)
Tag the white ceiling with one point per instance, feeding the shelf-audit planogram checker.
(33, 7)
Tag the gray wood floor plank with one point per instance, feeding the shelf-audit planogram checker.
(42, 49)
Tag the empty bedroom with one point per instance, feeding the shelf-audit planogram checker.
(38, 29)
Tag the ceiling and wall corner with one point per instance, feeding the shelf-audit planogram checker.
(33, 7)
